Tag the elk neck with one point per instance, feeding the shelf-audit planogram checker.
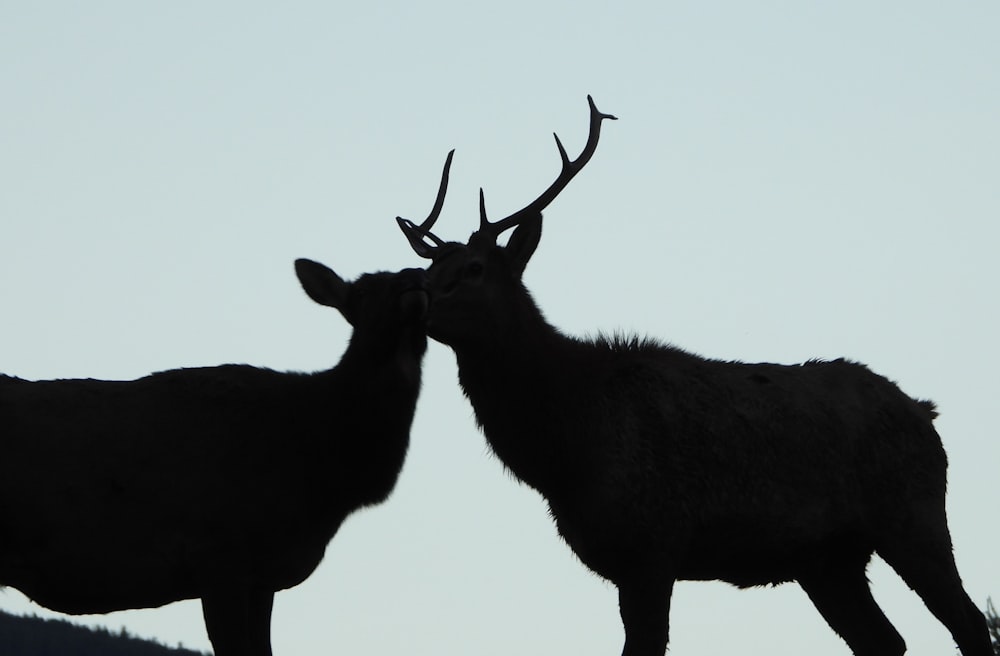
(386, 362)
(521, 381)
(376, 385)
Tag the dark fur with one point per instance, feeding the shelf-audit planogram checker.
(222, 483)
(660, 465)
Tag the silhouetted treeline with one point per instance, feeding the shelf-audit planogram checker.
(35, 636)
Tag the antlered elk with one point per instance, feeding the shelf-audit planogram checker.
(219, 483)
(660, 465)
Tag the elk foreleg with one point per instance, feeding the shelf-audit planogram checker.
(645, 609)
(239, 621)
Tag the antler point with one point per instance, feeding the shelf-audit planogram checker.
(602, 115)
(483, 221)
(562, 150)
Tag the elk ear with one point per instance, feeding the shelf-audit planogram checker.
(524, 241)
(322, 284)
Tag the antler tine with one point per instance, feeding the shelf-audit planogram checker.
(483, 221)
(569, 169)
(417, 233)
(428, 223)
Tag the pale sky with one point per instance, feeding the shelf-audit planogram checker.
(787, 180)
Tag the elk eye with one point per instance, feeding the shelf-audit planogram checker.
(474, 269)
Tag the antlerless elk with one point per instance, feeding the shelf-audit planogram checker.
(220, 483)
(660, 465)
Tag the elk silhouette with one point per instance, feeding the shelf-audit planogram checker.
(660, 465)
(221, 483)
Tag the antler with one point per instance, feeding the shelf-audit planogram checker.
(569, 169)
(416, 234)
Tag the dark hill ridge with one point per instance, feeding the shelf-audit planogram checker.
(36, 636)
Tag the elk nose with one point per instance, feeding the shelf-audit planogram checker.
(415, 301)
(414, 278)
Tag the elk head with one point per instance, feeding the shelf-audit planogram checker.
(386, 310)
(470, 283)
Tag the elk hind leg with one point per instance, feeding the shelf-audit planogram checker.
(239, 621)
(924, 560)
(841, 594)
